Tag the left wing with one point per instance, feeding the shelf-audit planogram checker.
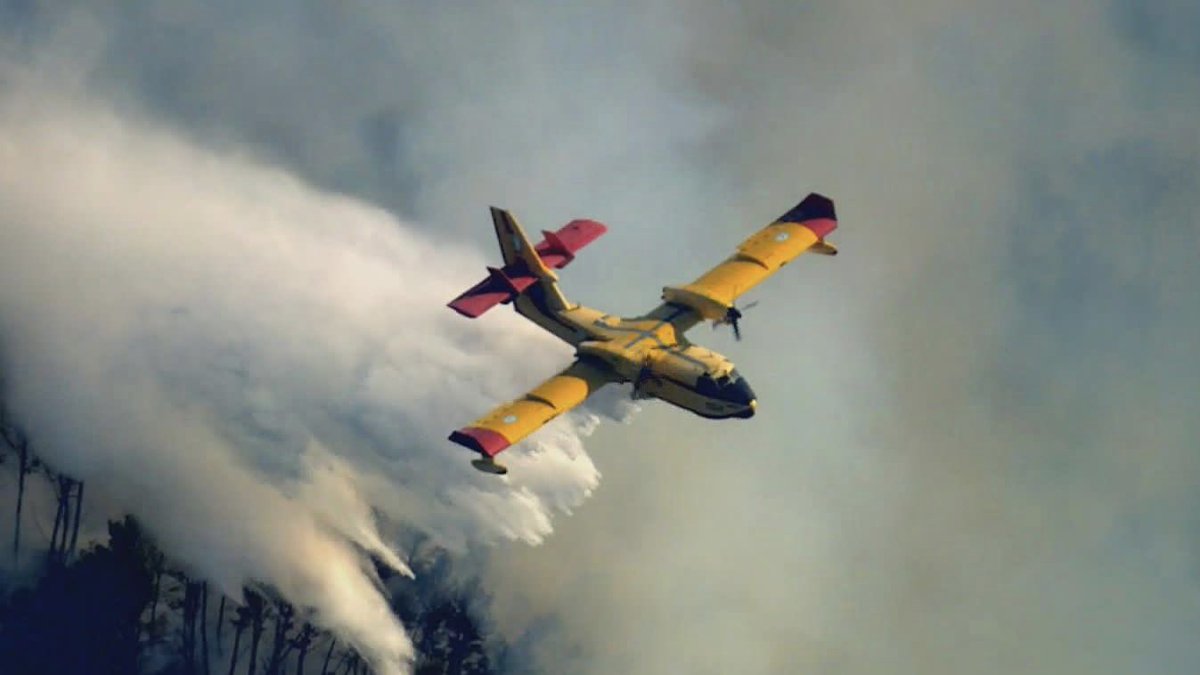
(801, 229)
(517, 419)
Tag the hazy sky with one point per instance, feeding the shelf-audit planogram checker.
(976, 449)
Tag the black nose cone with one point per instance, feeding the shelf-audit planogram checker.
(740, 392)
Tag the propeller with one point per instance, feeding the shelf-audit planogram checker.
(732, 316)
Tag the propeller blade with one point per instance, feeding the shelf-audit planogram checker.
(732, 315)
(731, 318)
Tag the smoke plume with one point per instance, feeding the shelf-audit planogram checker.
(263, 372)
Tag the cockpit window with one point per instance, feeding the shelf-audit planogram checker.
(706, 386)
(728, 386)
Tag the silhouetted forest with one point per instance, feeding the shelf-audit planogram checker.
(121, 607)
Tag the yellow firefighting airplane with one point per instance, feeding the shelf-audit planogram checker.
(650, 351)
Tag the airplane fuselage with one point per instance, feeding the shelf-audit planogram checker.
(652, 353)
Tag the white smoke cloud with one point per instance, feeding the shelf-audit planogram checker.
(265, 374)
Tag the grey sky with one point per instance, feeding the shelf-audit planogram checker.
(977, 444)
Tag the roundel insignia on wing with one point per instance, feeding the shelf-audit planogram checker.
(783, 236)
(509, 419)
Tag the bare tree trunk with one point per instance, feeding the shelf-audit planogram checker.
(78, 517)
(340, 667)
(65, 487)
(238, 627)
(58, 520)
(303, 644)
(328, 655)
(220, 619)
(191, 606)
(257, 614)
(22, 448)
(154, 602)
(255, 638)
(204, 625)
(280, 645)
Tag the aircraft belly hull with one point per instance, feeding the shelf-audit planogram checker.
(684, 397)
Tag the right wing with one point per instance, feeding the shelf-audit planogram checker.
(711, 296)
(517, 419)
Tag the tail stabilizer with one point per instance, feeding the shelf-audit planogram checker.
(515, 246)
(524, 265)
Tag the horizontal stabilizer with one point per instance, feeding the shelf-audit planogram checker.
(504, 284)
(559, 248)
(499, 286)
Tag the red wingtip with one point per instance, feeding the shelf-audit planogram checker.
(484, 441)
(816, 213)
(821, 226)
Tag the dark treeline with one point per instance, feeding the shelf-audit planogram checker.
(121, 607)
(118, 608)
(68, 493)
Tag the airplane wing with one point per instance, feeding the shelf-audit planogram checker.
(711, 296)
(517, 419)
